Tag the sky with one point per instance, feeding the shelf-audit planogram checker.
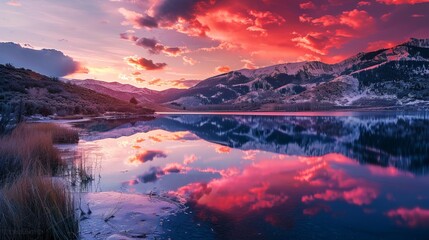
(161, 44)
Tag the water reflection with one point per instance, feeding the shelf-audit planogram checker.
(362, 176)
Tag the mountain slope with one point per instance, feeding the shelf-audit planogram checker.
(396, 76)
(32, 93)
(146, 97)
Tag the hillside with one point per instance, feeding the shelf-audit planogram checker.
(144, 96)
(31, 93)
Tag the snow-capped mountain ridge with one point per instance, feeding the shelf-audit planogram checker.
(366, 78)
(396, 76)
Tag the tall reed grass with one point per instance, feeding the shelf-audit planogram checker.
(37, 207)
(32, 205)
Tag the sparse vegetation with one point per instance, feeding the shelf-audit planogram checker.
(32, 204)
(133, 100)
(33, 93)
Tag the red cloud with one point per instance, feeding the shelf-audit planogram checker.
(268, 33)
(373, 46)
(318, 42)
(307, 5)
(144, 64)
(364, 3)
(397, 2)
(357, 19)
(223, 69)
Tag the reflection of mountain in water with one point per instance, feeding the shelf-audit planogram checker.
(401, 141)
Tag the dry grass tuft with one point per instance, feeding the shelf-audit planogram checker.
(58, 133)
(30, 149)
(32, 205)
(36, 207)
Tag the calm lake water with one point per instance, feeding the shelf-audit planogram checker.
(336, 176)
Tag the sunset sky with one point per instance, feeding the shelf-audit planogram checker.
(171, 43)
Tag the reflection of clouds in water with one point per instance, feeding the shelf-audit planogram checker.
(154, 173)
(222, 149)
(339, 185)
(147, 155)
(250, 154)
(253, 188)
(151, 175)
(358, 196)
(163, 136)
(188, 159)
(416, 217)
(271, 183)
(174, 168)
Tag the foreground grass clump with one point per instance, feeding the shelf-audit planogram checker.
(35, 207)
(32, 205)
(29, 148)
(57, 133)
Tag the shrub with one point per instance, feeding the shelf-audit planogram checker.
(133, 100)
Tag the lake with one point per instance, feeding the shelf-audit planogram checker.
(306, 176)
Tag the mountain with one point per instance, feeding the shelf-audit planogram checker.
(29, 93)
(395, 76)
(146, 97)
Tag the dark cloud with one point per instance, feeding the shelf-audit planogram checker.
(150, 44)
(154, 47)
(128, 36)
(167, 13)
(148, 21)
(49, 62)
(143, 63)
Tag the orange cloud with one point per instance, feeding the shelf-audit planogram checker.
(223, 149)
(223, 69)
(147, 155)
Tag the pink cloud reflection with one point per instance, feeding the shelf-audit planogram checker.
(415, 217)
